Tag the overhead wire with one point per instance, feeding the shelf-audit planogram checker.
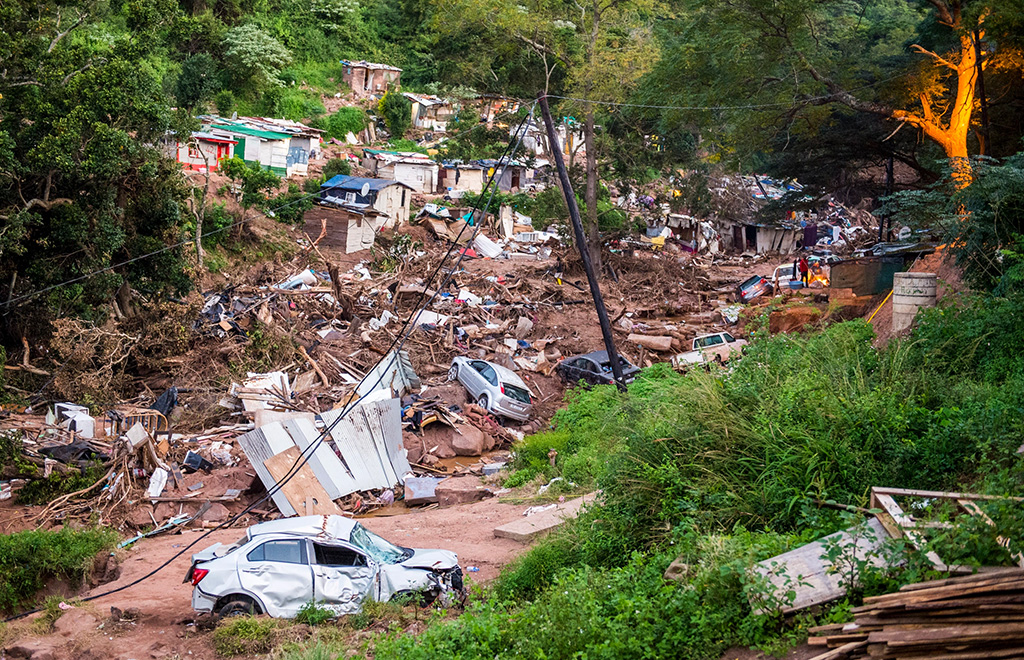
(392, 351)
(715, 108)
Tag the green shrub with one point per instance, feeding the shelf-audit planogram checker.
(224, 100)
(43, 491)
(29, 559)
(313, 614)
(397, 113)
(215, 223)
(373, 613)
(317, 651)
(336, 166)
(246, 635)
(341, 123)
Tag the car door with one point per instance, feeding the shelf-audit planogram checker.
(277, 572)
(343, 577)
(474, 382)
(488, 378)
(591, 371)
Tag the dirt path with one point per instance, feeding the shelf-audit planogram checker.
(163, 628)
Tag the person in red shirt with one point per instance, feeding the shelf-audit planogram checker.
(804, 268)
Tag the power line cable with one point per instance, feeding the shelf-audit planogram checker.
(755, 106)
(393, 350)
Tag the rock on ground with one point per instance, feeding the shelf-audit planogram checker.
(461, 490)
(468, 440)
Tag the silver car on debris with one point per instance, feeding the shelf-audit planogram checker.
(281, 565)
(494, 388)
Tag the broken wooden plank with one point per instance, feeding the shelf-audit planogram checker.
(302, 486)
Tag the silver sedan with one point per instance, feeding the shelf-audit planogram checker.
(493, 387)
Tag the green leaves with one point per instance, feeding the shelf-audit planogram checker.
(255, 56)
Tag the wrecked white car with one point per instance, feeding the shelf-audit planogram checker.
(281, 565)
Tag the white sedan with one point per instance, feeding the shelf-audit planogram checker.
(281, 565)
(494, 388)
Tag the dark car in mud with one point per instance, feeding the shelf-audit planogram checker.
(595, 369)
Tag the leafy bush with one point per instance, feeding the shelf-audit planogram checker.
(224, 101)
(42, 491)
(342, 122)
(336, 166)
(246, 635)
(29, 559)
(255, 56)
(396, 111)
(625, 612)
(197, 80)
(217, 218)
(313, 614)
(291, 206)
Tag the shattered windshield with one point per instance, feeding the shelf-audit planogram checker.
(379, 549)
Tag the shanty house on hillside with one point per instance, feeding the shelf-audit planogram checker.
(268, 149)
(415, 170)
(388, 196)
(347, 227)
(370, 79)
(303, 140)
(204, 150)
(455, 177)
(431, 113)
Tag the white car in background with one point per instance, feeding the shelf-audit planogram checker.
(494, 388)
(281, 565)
(717, 347)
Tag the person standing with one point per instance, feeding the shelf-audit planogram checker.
(804, 268)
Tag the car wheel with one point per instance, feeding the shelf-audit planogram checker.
(236, 607)
(453, 373)
(484, 402)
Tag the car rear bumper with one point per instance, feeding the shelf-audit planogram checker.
(517, 411)
(202, 602)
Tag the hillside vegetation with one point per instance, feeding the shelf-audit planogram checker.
(724, 469)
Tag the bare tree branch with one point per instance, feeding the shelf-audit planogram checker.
(61, 35)
(938, 58)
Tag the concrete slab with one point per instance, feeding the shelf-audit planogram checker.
(531, 527)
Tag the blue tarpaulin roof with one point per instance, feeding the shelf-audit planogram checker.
(346, 182)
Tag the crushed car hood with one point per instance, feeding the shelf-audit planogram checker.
(440, 560)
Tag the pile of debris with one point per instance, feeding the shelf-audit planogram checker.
(975, 616)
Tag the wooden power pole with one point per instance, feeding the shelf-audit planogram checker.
(581, 243)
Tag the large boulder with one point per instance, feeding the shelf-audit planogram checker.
(461, 490)
(468, 440)
(216, 513)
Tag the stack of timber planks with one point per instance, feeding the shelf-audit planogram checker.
(961, 618)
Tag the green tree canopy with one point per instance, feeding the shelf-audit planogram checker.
(84, 183)
(254, 56)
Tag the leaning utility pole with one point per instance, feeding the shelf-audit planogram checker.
(581, 243)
